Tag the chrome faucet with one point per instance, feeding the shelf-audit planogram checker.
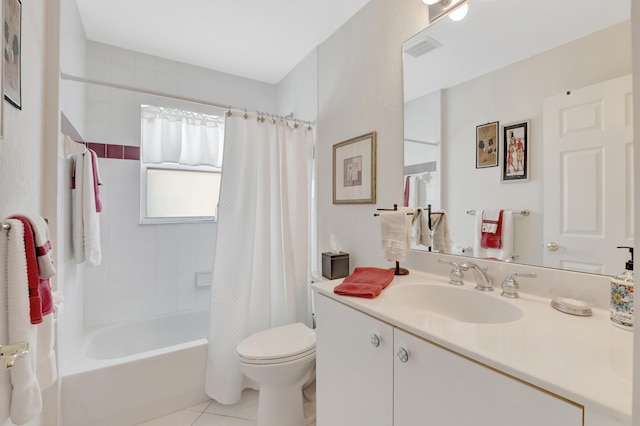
(455, 276)
(510, 286)
(484, 282)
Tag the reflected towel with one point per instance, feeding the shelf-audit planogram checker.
(365, 282)
(491, 229)
(441, 237)
(507, 235)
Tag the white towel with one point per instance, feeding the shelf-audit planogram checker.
(395, 227)
(441, 237)
(86, 221)
(506, 249)
(26, 399)
(5, 377)
(421, 226)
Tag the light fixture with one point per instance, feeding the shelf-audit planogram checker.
(455, 10)
(459, 13)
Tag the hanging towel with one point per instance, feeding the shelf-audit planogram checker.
(491, 229)
(506, 237)
(407, 190)
(5, 375)
(441, 237)
(40, 298)
(395, 227)
(96, 179)
(365, 282)
(26, 399)
(422, 231)
(86, 220)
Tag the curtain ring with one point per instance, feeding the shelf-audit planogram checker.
(245, 114)
(228, 113)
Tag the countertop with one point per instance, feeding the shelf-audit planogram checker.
(586, 360)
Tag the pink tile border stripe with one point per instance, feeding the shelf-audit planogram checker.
(118, 152)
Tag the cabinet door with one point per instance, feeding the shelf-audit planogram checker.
(354, 367)
(440, 388)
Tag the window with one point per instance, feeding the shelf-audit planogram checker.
(180, 165)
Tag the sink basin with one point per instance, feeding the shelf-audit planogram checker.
(455, 303)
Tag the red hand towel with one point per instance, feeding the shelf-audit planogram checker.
(96, 178)
(40, 297)
(365, 282)
(491, 232)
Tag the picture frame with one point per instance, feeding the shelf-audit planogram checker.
(515, 161)
(487, 144)
(12, 52)
(354, 170)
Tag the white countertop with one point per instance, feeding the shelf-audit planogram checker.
(586, 360)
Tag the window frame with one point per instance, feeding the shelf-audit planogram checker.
(146, 220)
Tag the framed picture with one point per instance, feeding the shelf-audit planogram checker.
(354, 170)
(515, 163)
(487, 145)
(12, 51)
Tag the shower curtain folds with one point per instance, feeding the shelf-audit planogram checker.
(261, 266)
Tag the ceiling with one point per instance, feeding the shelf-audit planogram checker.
(260, 40)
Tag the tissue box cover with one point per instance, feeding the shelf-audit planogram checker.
(335, 265)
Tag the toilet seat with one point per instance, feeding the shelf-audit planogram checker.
(278, 345)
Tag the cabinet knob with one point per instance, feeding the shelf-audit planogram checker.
(375, 340)
(402, 354)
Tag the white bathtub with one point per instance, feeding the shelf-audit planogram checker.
(136, 371)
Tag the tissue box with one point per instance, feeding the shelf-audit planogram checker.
(335, 265)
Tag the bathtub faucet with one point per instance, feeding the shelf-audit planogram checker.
(484, 282)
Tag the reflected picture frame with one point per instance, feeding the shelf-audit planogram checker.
(515, 158)
(487, 143)
(12, 52)
(354, 170)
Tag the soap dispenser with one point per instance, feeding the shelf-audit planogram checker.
(622, 296)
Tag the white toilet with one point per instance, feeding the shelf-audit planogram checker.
(281, 361)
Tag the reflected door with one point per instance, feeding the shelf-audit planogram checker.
(588, 152)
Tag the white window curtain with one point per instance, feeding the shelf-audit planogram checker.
(261, 267)
(182, 137)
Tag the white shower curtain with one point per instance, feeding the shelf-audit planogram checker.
(261, 268)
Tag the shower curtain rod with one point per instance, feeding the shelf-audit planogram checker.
(69, 77)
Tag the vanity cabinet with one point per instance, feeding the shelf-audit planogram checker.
(434, 386)
(371, 373)
(354, 378)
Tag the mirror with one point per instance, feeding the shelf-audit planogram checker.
(507, 62)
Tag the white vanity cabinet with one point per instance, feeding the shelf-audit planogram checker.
(434, 386)
(370, 373)
(354, 375)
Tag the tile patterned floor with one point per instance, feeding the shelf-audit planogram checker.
(212, 413)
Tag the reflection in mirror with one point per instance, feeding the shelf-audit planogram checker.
(556, 66)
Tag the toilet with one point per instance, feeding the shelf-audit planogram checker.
(281, 361)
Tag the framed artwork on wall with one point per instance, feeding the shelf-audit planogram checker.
(12, 51)
(354, 170)
(487, 145)
(515, 163)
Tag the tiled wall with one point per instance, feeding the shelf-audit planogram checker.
(147, 270)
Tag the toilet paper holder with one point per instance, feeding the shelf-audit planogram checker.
(11, 352)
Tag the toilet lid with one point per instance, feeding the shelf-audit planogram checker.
(277, 343)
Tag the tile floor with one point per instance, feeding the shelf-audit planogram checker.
(212, 413)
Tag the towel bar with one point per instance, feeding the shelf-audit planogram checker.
(522, 212)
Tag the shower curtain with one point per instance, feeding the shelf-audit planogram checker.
(261, 267)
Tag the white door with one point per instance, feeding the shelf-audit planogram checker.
(588, 177)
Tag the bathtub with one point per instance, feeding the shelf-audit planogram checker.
(135, 371)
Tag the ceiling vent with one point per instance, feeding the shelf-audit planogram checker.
(425, 45)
